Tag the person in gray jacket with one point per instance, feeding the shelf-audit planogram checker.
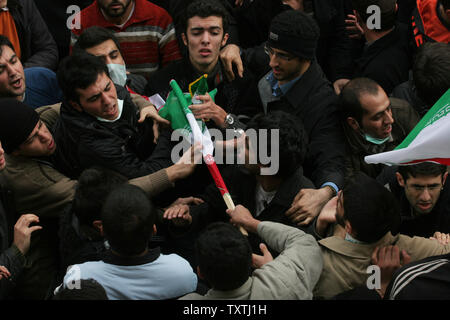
(225, 260)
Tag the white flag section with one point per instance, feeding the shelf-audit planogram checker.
(428, 141)
(198, 136)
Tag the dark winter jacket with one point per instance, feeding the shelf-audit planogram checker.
(124, 146)
(36, 42)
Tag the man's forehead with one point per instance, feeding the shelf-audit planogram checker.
(98, 86)
(7, 53)
(422, 179)
(205, 22)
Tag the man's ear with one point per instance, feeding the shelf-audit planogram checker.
(444, 178)
(75, 105)
(400, 179)
(353, 123)
(225, 39)
(154, 229)
(348, 228)
(184, 38)
(98, 225)
(199, 273)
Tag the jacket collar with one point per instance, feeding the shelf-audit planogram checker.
(242, 291)
(356, 250)
(151, 256)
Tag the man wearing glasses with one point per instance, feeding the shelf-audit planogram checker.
(296, 84)
(424, 197)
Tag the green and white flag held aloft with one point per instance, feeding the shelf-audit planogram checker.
(428, 141)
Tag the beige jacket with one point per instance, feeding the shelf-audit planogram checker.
(345, 262)
(291, 276)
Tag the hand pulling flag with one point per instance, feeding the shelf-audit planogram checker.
(428, 141)
(177, 111)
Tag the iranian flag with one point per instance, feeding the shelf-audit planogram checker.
(176, 110)
(428, 141)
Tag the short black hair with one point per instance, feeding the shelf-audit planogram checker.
(4, 41)
(428, 169)
(128, 217)
(371, 209)
(94, 185)
(292, 143)
(79, 71)
(350, 97)
(94, 36)
(224, 256)
(204, 9)
(388, 12)
(431, 71)
(446, 4)
(89, 289)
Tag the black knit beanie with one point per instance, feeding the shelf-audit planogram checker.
(17, 121)
(295, 32)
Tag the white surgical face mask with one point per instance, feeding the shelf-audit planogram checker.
(118, 73)
(375, 140)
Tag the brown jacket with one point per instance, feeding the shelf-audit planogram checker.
(345, 262)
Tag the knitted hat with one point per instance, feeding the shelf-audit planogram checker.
(295, 32)
(17, 121)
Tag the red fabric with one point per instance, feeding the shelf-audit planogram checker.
(427, 19)
(138, 50)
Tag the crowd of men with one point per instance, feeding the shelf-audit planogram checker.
(93, 204)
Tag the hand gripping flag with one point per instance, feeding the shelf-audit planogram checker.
(176, 110)
(428, 141)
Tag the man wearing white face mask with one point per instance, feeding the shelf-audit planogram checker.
(372, 122)
(102, 43)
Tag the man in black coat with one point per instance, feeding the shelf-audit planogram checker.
(204, 33)
(297, 85)
(38, 48)
(424, 197)
(99, 124)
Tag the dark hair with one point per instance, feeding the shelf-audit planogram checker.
(4, 41)
(292, 141)
(128, 217)
(446, 4)
(90, 289)
(428, 169)
(204, 9)
(388, 12)
(94, 36)
(349, 99)
(224, 256)
(431, 71)
(94, 185)
(371, 209)
(79, 71)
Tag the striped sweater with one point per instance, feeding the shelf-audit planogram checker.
(147, 39)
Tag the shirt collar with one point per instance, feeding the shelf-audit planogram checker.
(278, 90)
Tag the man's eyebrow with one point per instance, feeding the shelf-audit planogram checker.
(201, 28)
(12, 57)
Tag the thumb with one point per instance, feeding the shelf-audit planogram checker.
(406, 258)
(264, 249)
(142, 117)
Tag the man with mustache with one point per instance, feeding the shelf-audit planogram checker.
(145, 31)
(372, 123)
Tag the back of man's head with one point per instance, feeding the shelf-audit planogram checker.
(295, 32)
(79, 71)
(94, 185)
(17, 121)
(93, 36)
(431, 71)
(292, 142)
(224, 256)
(128, 217)
(371, 209)
(350, 97)
(424, 169)
(89, 289)
(205, 9)
(387, 9)
(4, 41)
